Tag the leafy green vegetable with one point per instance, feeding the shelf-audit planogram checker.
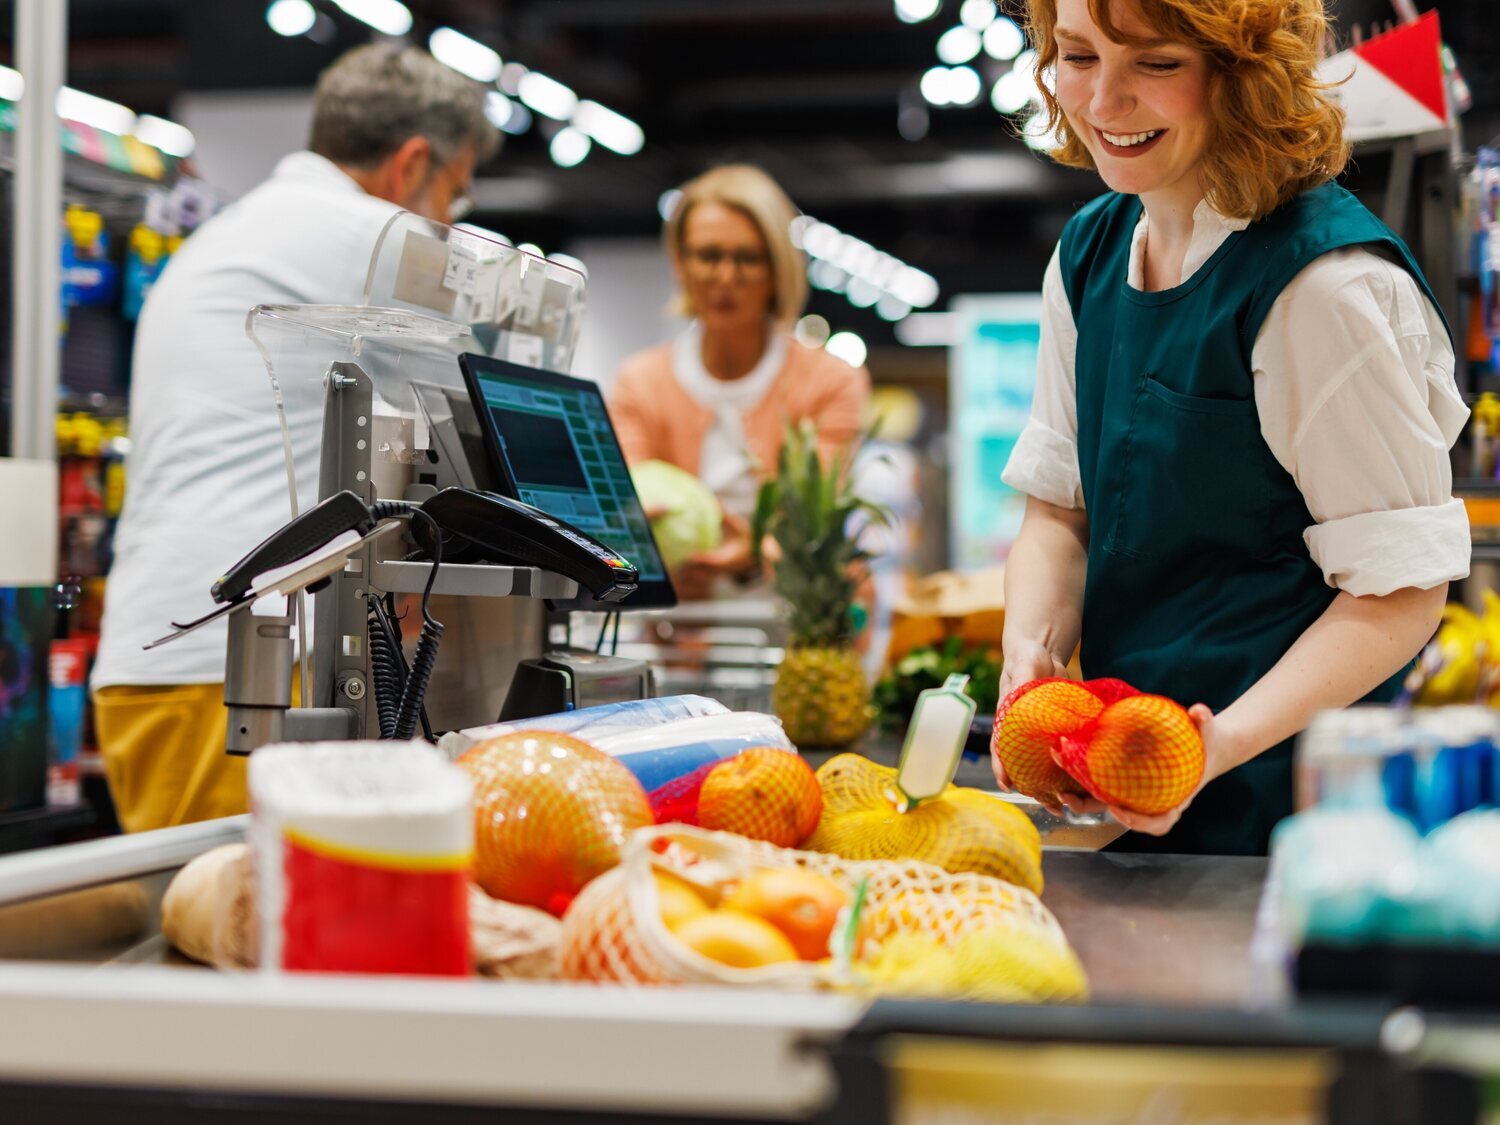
(922, 668)
(692, 522)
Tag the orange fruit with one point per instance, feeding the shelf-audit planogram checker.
(738, 940)
(1031, 723)
(803, 905)
(551, 813)
(676, 900)
(766, 793)
(1144, 754)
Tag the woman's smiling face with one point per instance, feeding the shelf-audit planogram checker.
(1141, 111)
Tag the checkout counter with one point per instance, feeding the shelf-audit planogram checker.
(100, 1019)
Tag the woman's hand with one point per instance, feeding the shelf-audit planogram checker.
(1219, 756)
(1023, 661)
(695, 578)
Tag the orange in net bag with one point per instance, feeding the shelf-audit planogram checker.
(614, 929)
(1135, 751)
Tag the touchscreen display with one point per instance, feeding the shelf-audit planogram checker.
(556, 449)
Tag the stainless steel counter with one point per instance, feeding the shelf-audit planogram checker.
(1173, 930)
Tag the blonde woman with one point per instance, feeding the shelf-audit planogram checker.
(715, 400)
(1237, 469)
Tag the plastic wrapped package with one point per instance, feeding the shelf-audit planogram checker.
(363, 853)
(661, 754)
(1344, 875)
(1461, 861)
(593, 724)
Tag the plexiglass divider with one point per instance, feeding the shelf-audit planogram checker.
(431, 293)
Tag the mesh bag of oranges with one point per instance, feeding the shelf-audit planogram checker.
(1098, 738)
(688, 906)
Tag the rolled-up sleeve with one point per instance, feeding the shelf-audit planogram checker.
(1381, 552)
(1044, 462)
(1354, 383)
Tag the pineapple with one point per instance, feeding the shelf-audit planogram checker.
(821, 695)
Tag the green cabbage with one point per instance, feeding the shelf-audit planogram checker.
(693, 521)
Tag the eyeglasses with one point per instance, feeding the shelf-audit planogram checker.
(704, 261)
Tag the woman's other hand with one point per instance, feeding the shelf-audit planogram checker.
(1219, 755)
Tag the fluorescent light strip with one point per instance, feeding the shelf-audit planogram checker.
(389, 17)
(85, 109)
(465, 55)
(614, 131)
(547, 96)
(172, 138)
(866, 276)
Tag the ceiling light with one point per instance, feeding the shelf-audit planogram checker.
(958, 45)
(569, 147)
(848, 347)
(168, 136)
(614, 131)
(567, 261)
(465, 55)
(531, 248)
(519, 121)
(510, 77)
(824, 274)
(1026, 63)
(12, 85)
(930, 330)
(978, 14)
(915, 11)
(916, 288)
(1012, 93)
(291, 17)
(892, 308)
(1003, 39)
(861, 293)
(389, 17)
(913, 122)
(547, 96)
(964, 85)
(667, 202)
(812, 330)
(498, 109)
(935, 85)
(85, 109)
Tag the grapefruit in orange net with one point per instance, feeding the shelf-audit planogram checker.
(803, 905)
(551, 812)
(1143, 754)
(1029, 725)
(741, 941)
(766, 793)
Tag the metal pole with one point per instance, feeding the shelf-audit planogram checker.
(42, 57)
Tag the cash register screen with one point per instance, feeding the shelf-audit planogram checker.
(553, 446)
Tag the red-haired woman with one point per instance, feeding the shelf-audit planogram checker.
(1237, 472)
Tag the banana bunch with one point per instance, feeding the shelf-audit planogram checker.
(1462, 663)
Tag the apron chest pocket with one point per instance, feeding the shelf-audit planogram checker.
(1192, 476)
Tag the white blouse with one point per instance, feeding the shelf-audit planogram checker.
(1354, 388)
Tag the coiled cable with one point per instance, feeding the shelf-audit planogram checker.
(415, 689)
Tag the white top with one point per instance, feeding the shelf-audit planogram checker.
(205, 477)
(1355, 392)
(725, 464)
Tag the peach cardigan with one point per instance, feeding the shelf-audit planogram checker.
(657, 419)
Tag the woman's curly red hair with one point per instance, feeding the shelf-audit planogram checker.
(1275, 132)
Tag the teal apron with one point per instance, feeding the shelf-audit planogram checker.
(1198, 576)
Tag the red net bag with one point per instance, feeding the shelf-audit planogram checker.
(1101, 738)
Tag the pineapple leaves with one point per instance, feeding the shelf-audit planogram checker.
(808, 508)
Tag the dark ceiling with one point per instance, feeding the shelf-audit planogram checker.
(810, 89)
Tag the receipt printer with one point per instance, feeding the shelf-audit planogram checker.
(570, 679)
